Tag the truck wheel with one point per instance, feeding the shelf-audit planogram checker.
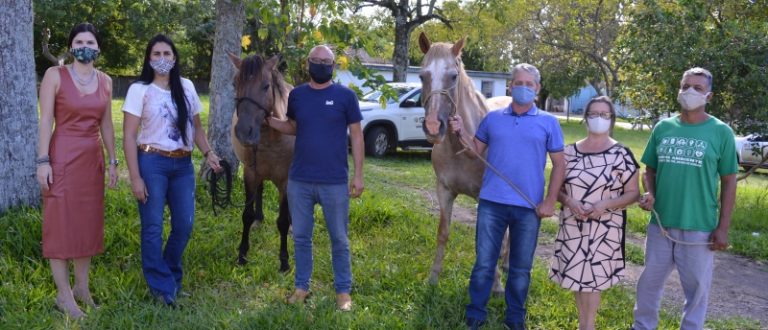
(377, 142)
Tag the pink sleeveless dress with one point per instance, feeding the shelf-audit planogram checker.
(73, 207)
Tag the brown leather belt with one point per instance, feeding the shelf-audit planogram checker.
(178, 153)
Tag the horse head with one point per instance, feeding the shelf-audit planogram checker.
(259, 91)
(442, 76)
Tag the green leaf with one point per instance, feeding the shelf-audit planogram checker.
(263, 33)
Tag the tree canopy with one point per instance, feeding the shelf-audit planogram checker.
(634, 51)
(663, 39)
(125, 26)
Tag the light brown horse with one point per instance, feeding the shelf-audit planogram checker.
(447, 90)
(265, 153)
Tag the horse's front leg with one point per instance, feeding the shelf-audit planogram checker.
(445, 198)
(498, 287)
(504, 255)
(258, 200)
(283, 224)
(252, 188)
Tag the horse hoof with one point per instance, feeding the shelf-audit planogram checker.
(241, 261)
(433, 279)
(285, 268)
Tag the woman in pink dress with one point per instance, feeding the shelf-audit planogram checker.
(70, 165)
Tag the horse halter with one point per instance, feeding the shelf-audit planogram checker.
(242, 99)
(446, 93)
(443, 92)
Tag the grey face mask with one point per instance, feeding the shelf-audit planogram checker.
(162, 66)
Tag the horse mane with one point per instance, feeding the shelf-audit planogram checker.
(253, 65)
(281, 95)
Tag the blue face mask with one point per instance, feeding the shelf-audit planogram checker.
(523, 95)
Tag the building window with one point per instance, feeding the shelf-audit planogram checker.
(486, 87)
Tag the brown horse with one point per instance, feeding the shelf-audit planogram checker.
(265, 153)
(447, 90)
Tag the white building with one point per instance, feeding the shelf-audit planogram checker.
(489, 83)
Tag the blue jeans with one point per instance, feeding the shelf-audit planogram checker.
(493, 219)
(334, 200)
(171, 181)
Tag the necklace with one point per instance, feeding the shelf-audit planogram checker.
(80, 80)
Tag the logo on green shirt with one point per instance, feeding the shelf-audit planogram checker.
(681, 150)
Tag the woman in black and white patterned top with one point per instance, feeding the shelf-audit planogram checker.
(601, 180)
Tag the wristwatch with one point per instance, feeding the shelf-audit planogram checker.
(114, 162)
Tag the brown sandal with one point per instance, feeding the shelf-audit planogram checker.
(344, 302)
(298, 296)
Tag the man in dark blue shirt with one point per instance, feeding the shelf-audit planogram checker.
(319, 114)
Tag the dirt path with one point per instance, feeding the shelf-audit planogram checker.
(739, 287)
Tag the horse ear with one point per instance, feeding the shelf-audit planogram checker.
(236, 61)
(458, 46)
(424, 43)
(272, 62)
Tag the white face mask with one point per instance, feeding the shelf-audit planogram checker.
(598, 125)
(691, 99)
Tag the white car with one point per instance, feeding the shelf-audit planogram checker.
(399, 124)
(751, 149)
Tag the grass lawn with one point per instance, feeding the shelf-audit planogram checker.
(392, 234)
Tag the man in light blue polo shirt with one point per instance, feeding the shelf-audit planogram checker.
(518, 139)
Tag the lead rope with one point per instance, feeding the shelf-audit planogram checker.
(494, 170)
(466, 147)
(666, 234)
(220, 196)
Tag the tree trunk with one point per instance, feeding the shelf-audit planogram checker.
(400, 54)
(230, 18)
(18, 107)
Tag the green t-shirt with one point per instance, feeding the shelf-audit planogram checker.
(689, 161)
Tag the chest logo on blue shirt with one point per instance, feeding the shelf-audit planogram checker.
(328, 102)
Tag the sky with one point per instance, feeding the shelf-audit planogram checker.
(369, 11)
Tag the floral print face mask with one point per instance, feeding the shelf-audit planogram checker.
(162, 66)
(85, 55)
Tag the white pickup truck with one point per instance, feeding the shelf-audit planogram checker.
(399, 124)
(751, 149)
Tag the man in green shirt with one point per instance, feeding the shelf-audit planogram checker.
(686, 157)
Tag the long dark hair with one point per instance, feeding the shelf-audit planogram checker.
(83, 27)
(177, 90)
